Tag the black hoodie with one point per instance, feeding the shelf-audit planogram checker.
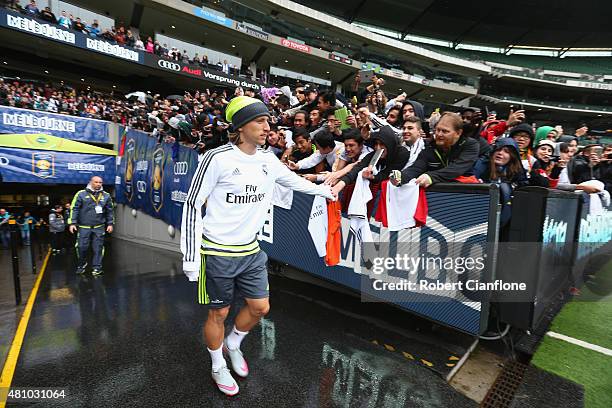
(443, 166)
(397, 157)
(419, 111)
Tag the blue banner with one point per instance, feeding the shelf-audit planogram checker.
(155, 178)
(50, 167)
(44, 29)
(15, 120)
(204, 13)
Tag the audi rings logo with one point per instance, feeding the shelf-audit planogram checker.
(141, 186)
(4, 161)
(180, 168)
(172, 66)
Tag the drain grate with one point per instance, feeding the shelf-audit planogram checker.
(502, 392)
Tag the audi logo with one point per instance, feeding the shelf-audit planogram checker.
(172, 66)
(180, 168)
(4, 161)
(141, 186)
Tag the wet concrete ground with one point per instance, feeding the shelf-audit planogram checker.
(10, 313)
(132, 338)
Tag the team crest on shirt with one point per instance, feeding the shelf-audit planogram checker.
(264, 168)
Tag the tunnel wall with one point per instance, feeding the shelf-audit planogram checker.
(144, 229)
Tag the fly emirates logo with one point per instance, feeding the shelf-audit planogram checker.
(250, 196)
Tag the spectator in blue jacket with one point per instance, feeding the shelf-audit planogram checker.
(26, 223)
(32, 8)
(64, 21)
(5, 232)
(93, 29)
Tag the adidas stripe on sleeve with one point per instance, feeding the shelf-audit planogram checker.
(203, 182)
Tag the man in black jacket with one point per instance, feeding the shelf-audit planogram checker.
(394, 157)
(452, 155)
(585, 166)
(472, 126)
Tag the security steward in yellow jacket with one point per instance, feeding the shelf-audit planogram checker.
(92, 216)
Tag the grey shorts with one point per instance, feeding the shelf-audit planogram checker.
(222, 276)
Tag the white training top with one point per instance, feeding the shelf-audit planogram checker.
(238, 190)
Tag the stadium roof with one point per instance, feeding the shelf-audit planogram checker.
(560, 24)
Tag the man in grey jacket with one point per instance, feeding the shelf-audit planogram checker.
(92, 216)
(57, 225)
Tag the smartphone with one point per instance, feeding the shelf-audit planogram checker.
(341, 115)
(396, 175)
(365, 76)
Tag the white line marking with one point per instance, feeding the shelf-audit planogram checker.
(580, 343)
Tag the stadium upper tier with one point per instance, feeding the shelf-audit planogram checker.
(583, 65)
(557, 24)
(335, 19)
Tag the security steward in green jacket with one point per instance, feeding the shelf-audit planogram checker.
(91, 216)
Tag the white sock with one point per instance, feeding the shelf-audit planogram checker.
(217, 358)
(235, 338)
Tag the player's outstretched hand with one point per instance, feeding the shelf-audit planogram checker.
(338, 188)
(330, 178)
(329, 192)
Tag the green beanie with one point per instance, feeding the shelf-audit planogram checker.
(541, 134)
(243, 109)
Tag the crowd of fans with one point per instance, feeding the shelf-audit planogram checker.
(329, 137)
(67, 100)
(196, 113)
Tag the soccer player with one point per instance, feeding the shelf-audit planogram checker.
(221, 249)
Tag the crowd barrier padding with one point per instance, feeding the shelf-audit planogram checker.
(540, 251)
(153, 177)
(593, 247)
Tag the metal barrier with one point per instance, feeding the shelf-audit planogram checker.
(15, 258)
